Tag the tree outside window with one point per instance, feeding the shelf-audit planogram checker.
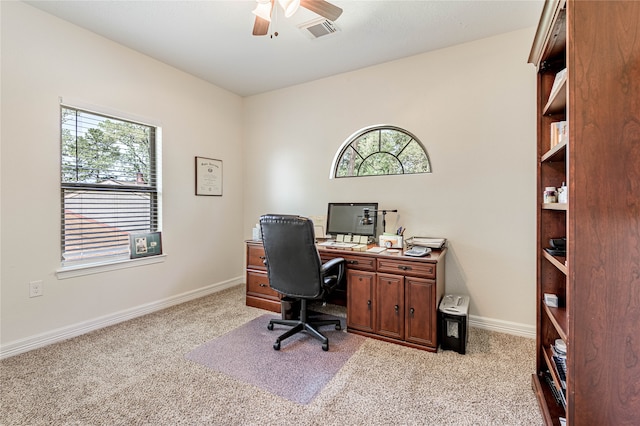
(381, 150)
(108, 183)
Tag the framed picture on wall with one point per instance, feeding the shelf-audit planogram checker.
(208, 176)
(145, 244)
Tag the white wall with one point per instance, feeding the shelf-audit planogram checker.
(473, 107)
(44, 58)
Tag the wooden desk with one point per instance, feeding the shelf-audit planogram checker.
(390, 296)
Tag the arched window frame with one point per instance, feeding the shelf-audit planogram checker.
(379, 127)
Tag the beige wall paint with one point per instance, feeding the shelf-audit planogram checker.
(44, 58)
(472, 106)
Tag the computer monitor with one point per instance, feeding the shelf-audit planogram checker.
(346, 218)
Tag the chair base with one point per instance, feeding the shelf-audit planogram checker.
(303, 324)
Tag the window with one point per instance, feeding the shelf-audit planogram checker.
(109, 185)
(380, 150)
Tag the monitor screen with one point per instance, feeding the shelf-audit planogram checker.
(346, 218)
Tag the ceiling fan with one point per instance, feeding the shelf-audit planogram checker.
(265, 7)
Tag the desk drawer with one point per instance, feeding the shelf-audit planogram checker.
(258, 284)
(415, 269)
(362, 263)
(255, 257)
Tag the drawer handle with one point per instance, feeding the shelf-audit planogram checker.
(404, 268)
(262, 257)
(263, 285)
(352, 262)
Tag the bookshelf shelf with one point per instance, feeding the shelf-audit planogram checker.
(554, 206)
(557, 103)
(550, 410)
(557, 153)
(548, 357)
(558, 317)
(557, 261)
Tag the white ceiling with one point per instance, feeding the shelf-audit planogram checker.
(212, 39)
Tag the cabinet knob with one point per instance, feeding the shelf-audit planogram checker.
(369, 304)
(411, 311)
(397, 308)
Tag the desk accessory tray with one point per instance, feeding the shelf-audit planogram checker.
(434, 243)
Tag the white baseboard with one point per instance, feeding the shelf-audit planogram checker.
(515, 328)
(64, 333)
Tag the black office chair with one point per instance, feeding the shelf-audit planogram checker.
(295, 270)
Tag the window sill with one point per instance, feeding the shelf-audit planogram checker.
(97, 268)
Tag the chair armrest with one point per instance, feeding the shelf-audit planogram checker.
(336, 262)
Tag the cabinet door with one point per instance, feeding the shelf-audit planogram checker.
(390, 305)
(360, 302)
(420, 303)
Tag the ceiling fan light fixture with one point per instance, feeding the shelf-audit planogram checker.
(290, 7)
(263, 10)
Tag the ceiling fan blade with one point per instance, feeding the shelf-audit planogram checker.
(322, 8)
(260, 27)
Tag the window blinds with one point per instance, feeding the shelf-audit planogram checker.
(108, 184)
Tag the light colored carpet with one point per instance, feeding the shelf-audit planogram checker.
(135, 373)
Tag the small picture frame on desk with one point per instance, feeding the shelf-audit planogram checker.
(145, 244)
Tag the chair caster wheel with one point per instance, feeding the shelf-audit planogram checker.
(338, 327)
(325, 346)
(276, 346)
(270, 326)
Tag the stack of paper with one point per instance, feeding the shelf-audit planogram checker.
(376, 249)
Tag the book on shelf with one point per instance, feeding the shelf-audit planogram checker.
(559, 133)
(560, 366)
(557, 82)
(558, 395)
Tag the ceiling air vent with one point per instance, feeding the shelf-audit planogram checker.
(318, 28)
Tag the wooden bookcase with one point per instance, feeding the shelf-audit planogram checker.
(598, 282)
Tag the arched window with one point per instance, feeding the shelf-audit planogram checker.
(380, 150)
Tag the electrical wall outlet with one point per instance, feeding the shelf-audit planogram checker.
(35, 288)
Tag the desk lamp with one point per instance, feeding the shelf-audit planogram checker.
(366, 219)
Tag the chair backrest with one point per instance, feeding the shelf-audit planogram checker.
(293, 262)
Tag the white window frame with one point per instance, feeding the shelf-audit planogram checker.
(99, 265)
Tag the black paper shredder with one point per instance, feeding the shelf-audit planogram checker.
(454, 323)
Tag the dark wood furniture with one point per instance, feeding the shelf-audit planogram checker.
(389, 297)
(259, 293)
(598, 281)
